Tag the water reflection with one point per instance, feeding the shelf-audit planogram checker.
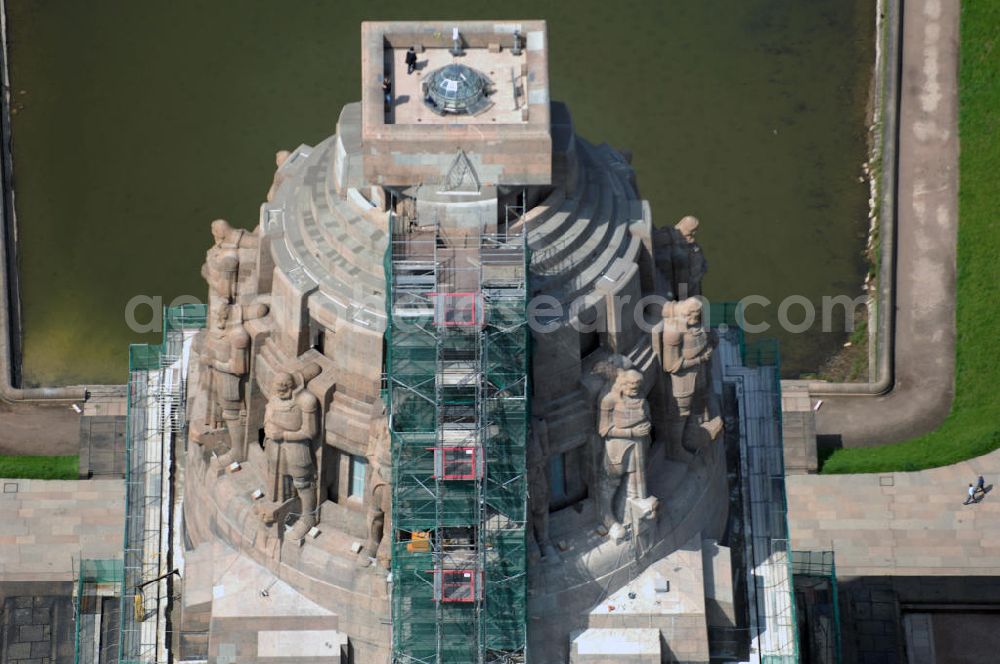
(142, 122)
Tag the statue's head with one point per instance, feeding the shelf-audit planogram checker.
(283, 385)
(688, 227)
(690, 310)
(611, 367)
(280, 157)
(631, 382)
(220, 230)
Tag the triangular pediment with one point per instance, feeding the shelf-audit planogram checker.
(461, 176)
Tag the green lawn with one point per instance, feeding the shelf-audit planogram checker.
(973, 427)
(39, 467)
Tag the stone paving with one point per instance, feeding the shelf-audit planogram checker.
(102, 446)
(900, 523)
(46, 526)
(30, 626)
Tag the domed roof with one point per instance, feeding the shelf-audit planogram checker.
(456, 88)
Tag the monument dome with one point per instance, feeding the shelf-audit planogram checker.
(446, 403)
(456, 88)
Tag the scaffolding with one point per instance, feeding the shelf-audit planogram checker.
(819, 610)
(96, 611)
(753, 369)
(457, 378)
(156, 419)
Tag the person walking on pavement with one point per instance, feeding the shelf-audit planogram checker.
(981, 486)
(411, 60)
(972, 496)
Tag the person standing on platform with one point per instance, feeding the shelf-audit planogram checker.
(387, 91)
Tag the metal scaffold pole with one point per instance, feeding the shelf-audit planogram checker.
(457, 365)
(155, 422)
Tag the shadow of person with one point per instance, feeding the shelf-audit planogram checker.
(402, 99)
(981, 493)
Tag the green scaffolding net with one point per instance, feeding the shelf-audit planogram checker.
(155, 421)
(96, 611)
(818, 606)
(457, 367)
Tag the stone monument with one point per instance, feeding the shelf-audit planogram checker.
(290, 388)
(538, 489)
(685, 349)
(689, 262)
(225, 352)
(290, 428)
(624, 424)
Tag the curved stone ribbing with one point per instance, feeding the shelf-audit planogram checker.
(588, 238)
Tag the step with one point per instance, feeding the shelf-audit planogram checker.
(591, 265)
(584, 237)
(359, 243)
(551, 229)
(306, 260)
(333, 255)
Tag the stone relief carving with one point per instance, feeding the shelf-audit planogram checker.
(291, 423)
(685, 350)
(222, 262)
(378, 488)
(461, 175)
(225, 356)
(538, 487)
(624, 425)
(689, 262)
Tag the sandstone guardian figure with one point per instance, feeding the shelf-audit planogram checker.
(538, 488)
(291, 422)
(379, 493)
(226, 356)
(685, 349)
(624, 424)
(689, 262)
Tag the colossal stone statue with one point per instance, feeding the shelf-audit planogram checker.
(379, 494)
(225, 353)
(689, 262)
(222, 262)
(291, 422)
(538, 488)
(685, 349)
(624, 424)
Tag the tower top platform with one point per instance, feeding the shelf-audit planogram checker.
(480, 87)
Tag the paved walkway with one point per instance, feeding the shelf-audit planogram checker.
(926, 236)
(48, 525)
(901, 523)
(49, 429)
